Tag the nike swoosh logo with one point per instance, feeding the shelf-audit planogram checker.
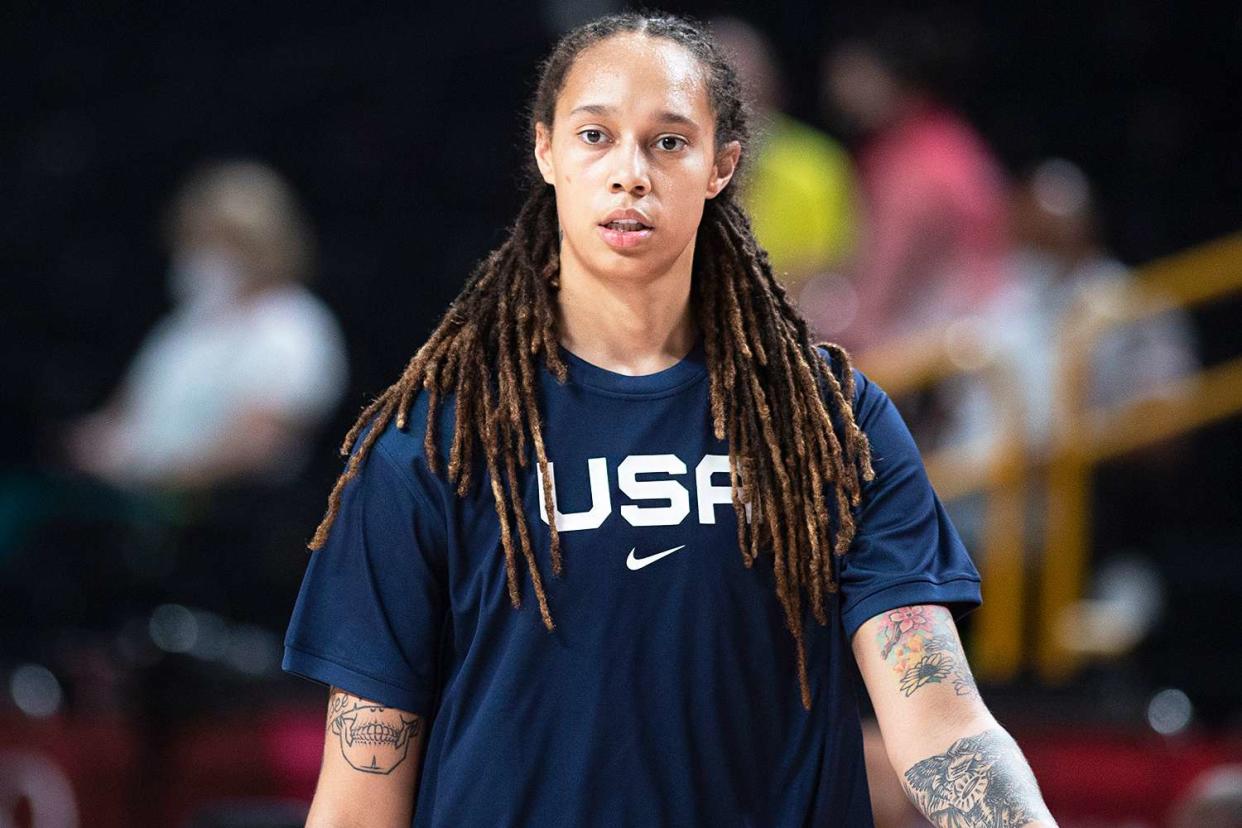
(636, 564)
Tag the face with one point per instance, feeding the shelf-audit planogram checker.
(632, 140)
(210, 267)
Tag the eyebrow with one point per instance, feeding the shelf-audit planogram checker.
(664, 116)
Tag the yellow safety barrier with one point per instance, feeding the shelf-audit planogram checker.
(1083, 437)
(1086, 436)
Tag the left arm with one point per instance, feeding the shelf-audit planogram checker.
(956, 763)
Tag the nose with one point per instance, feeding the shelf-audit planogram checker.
(630, 173)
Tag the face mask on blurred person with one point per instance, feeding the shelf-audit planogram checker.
(205, 278)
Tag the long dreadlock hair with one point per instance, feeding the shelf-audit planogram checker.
(797, 457)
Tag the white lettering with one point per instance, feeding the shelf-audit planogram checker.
(601, 498)
(672, 491)
(711, 495)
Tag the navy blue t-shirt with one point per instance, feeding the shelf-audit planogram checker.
(667, 694)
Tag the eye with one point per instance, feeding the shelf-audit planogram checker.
(592, 136)
(671, 143)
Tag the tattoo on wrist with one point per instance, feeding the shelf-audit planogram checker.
(981, 780)
(920, 644)
(373, 738)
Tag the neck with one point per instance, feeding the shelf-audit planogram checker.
(631, 326)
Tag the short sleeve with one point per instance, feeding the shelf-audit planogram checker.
(906, 551)
(372, 605)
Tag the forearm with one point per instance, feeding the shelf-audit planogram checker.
(956, 763)
(319, 818)
(978, 778)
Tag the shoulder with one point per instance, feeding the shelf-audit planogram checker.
(404, 448)
(866, 393)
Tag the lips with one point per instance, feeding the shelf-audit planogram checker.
(622, 239)
(625, 228)
(628, 216)
(626, 225)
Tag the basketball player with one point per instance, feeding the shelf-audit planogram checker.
(608, 551)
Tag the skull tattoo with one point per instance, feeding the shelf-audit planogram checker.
(374, 738)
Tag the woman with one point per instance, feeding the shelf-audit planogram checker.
(232, 384)
(616, 383)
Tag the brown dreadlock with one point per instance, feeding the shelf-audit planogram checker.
(797, 455)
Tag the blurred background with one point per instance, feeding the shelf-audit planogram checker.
(229, 225)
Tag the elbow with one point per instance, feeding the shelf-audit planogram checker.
(938, 732)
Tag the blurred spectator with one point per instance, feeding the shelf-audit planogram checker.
(799, 189)
(226, 387)
(1059, 264)
(932, 241)
(1060, 268)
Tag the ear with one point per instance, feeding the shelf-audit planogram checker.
(543, 152)
(724, 167)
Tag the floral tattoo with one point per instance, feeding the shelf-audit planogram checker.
(920, 644)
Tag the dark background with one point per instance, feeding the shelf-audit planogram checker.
(403, 131)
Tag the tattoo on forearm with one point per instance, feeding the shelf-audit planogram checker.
(920, 644)
(982, 781)
(374, 738)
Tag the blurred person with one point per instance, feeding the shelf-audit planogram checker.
(932, 239)
(228, 386)
(1060, 264)
(630, 325)
(200, 448)
(1061, 267)
(799, 189)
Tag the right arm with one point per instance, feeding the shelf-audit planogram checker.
(371, 759)
(369, 621)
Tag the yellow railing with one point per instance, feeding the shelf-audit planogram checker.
(1086, 436)
(1083, 438)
